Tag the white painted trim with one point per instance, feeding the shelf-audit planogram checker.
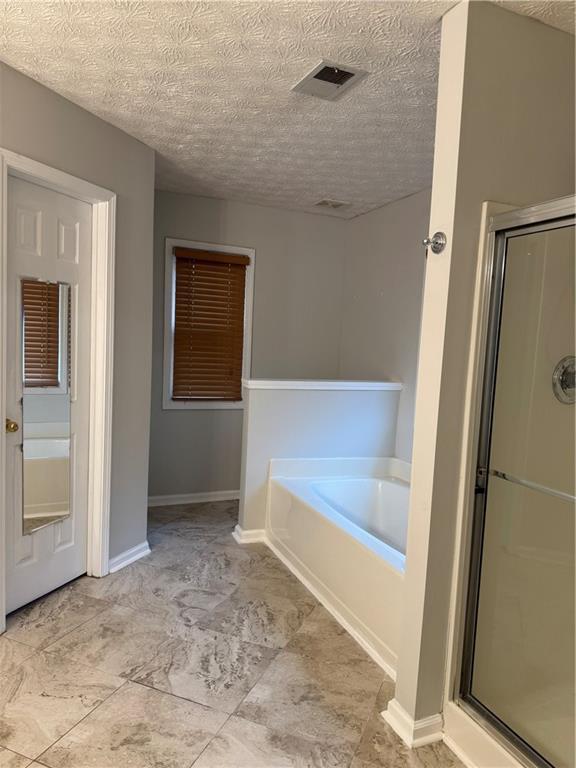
(414, 733)
(192, 498)
(128, 557)
(474, 745)
(103, 203)
(324, 385)
(374, 647)
(256, 536)
(101, 385)
(169, 276)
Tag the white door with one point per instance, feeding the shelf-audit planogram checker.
(49, 268)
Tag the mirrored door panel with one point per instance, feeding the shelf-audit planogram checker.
(46, 323)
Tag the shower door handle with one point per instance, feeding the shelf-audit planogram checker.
(481, 480)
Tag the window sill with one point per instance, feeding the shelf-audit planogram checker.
(205, 405)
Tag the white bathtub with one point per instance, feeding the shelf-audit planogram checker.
(47, 448)
(340, 525)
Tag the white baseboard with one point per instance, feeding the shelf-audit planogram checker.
(192, 498)
(414, 733)
(375, 648)
(129, 556)
(249, 537)
(473, 744)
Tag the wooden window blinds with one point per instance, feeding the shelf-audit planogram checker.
(41, 313)
(208, 325)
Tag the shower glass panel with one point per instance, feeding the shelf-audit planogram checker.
(519, 670)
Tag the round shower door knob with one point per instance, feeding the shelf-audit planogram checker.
(564, 380)
(436, 243)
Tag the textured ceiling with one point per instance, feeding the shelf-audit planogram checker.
(207, 85)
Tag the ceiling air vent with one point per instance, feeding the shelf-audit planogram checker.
(329, 80)
(332, 205)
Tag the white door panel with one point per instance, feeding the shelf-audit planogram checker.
(49, 239)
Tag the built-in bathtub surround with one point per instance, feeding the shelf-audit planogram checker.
(310, 419)
(340, 526)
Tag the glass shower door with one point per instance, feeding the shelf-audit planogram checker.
(519, 670)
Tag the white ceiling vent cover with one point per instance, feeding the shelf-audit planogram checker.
(329, 80)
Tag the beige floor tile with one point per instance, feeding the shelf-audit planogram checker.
(10, 759)
(321, 636)
(144, 587)
(207, 667)
(159, 516)
(258, 617)
(45, 620)
(137, 727)
(269, 575)
(45, 697)
(12, 654)
(380, 746)
(170, 551)
(204, 527)
(218, 569)
(329, 703)
(385, 694)
(119, 640)
(202, 628)
(207, 519)
(242, 744)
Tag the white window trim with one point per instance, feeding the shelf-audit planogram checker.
(169, 276)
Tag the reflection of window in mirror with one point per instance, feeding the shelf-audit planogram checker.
(46, 336)
(46, 324)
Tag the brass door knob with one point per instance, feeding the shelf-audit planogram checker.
(11, 426)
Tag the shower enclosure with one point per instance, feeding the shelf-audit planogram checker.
(518, 659)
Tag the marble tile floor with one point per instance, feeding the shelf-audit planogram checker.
(203, 654)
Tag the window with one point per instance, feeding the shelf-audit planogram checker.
(207, 333)
(46, 334)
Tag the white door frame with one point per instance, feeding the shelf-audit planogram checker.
(101, 358)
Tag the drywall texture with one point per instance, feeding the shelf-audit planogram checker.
(38, 123)
(295, 333)
(491, 144)
(383, 279)
(168, 73)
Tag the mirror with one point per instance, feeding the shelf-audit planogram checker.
(46, 324)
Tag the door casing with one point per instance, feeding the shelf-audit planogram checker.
(103, 203)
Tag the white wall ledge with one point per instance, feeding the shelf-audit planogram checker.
(322, 384)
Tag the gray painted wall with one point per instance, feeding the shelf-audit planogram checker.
(38, 123)
(296, 326)
(333, 299)
(383, 279)
(505, 133)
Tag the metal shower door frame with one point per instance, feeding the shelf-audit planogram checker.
(503, 227)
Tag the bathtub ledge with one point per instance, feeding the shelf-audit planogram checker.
(322, 384)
